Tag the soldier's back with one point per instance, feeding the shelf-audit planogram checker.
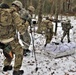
(7, 29)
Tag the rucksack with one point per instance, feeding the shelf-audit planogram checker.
(66, 26)
(6, 23)
(5, 17)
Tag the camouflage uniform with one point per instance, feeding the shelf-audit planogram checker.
(26, 17)
(66, 26)
(26, 37)
(8, 31)
(46, 28)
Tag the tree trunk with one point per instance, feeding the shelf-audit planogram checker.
(52, 8)
(24, 2)
(39, 13)
(30, 2)
(56, 15)
(0, 1)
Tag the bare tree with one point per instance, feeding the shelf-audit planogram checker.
(0, 1)
(40, 12)
(56, 14)
(52, 7)
(30, 2)
(24, 2)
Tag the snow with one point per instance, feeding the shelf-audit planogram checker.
(47, 65)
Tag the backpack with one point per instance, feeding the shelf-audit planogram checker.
(6, 23)
(66, 26)
(5, 17)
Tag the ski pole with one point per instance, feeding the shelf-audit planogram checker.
(33, 47)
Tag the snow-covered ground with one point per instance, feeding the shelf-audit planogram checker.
(45, 64)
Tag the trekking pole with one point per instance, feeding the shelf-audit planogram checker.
(33, 47)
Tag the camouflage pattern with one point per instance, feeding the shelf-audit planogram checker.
(18, 51)
(26, 35)
(46, 28)
(17, 3)
(66, 26)
(26, 17)
(31, 8)
(10, 31)
(7, 29)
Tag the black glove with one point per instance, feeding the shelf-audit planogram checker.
(2, 45)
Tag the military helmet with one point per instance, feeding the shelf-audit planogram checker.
(31, 8)
(18, 3)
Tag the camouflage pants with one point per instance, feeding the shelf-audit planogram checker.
(64, 34)
(48, 37)
(27, 39)
(18, 51)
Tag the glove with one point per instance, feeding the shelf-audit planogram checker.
(8, 55)
(2, 45)
(7, 51)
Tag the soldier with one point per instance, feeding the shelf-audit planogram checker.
(46, 28)
(26, 17)
(10, 21)
(66, 26)
(31, 10)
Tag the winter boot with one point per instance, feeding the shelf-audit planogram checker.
(6, 68)
(19, 72)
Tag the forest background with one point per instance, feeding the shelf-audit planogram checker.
(48, 6)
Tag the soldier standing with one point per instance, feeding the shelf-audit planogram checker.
(9, 23)
(66, 26)
(49, 32)
(46, 28)
(26, 16)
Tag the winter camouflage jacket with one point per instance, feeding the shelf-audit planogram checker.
(66, 26)
(9, 23)
(46, 26)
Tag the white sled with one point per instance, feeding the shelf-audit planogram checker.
(56, 52)
(51, 54)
